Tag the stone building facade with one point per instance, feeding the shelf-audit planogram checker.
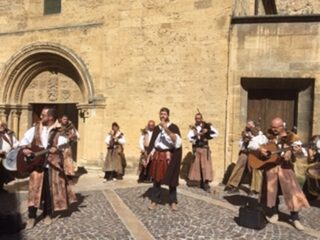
(121, 60)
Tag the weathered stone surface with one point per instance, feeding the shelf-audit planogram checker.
(284, 7)
(292, 7)
(278, 50)
(139, 55)
(136, 56)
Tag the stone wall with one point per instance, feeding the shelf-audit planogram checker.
(274, 50)
(284, 7)
(140, 55)
(292, 7)
(243, 7)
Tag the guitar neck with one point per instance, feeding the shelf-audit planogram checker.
(281, 150)
(288, 148)
(45, 151)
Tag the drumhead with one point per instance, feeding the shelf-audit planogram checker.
(10, 162)
(313, 171)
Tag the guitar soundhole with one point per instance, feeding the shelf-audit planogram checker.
(265, 158)
(29, 158)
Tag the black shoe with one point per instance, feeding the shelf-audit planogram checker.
(206, 187)
(228, 188)
(233, 190)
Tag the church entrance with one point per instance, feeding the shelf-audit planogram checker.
(68, 109)
(265, 104)
(288, 98)
(50, 74)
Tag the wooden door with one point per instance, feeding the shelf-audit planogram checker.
(266, 104)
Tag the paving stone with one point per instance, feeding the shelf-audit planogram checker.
(92, 218)
(196, 218)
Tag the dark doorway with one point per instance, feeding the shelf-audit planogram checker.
(265, 104)
(69, 109)
(288, 98)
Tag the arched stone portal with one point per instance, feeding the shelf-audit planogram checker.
(45, 73)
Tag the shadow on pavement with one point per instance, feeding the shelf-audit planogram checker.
(74, 207)
(10, 218)
(185, 165)
(80, 171)
(164, 195)
(240, 200)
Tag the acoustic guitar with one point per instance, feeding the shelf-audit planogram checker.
(257, 161)
(27, 164)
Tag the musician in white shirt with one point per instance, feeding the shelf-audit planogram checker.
(165, 153)
(280, 174)
(53, 193)
(115, 162)
(201, 172)
(8, 141)
(144, 141)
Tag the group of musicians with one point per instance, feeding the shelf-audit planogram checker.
(272, 176)
(272, 173)
(161, 153)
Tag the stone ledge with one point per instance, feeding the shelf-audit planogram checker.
(275, 19)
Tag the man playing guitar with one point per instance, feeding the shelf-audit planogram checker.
(47, 183)
(280, 173)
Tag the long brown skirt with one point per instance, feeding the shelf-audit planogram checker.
(201, 167)
(293, 196)
(115, 161)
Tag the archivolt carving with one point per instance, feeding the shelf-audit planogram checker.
(59, 89)
(34, 59)
(52, 88)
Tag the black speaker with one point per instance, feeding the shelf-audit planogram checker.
(252, 216)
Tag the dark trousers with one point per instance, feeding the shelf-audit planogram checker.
(156, 193)
(45, 197)
(110, 175)
(144, 174)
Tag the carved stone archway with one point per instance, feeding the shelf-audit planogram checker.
(39, 57)
(32, 61)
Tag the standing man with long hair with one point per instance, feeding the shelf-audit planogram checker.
(165, 153)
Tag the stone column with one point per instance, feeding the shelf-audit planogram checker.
(91, 128)
(304, 114)
(3, 114)
(15, 117)
(25, 119)
(83, 114)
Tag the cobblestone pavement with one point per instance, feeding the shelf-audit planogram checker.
(92, 218)
(307, 216)
(200, 215)
(197, 219)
